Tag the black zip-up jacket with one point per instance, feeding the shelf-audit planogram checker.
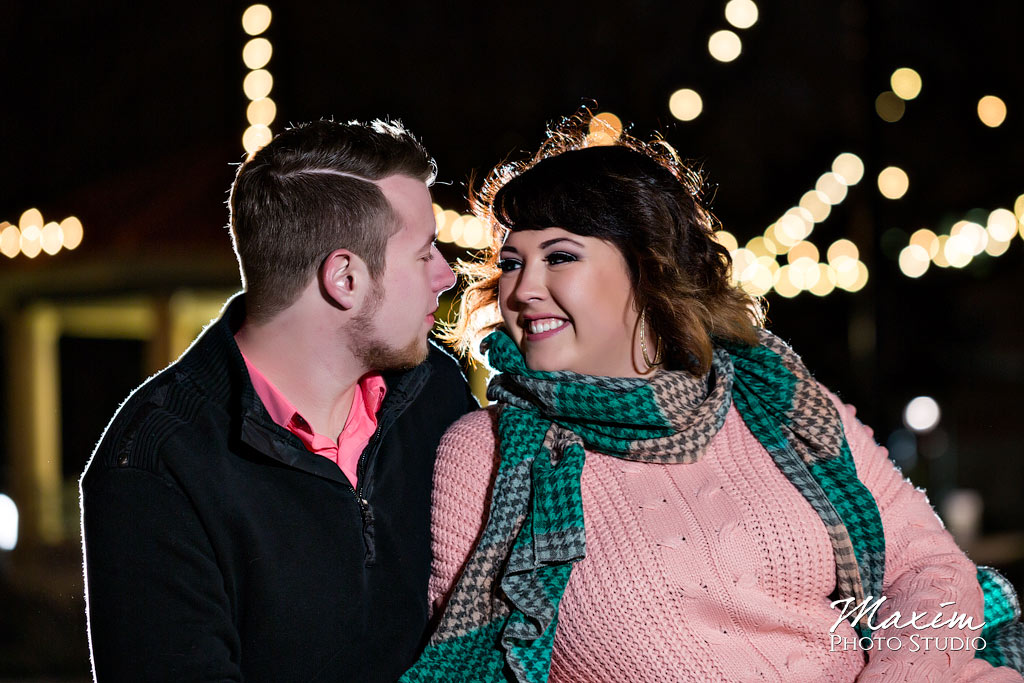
(217, 548)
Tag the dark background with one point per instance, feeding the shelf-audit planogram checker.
(130, 116)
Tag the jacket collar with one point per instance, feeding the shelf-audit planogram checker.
(215, 364)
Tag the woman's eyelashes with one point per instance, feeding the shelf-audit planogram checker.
(508, 264)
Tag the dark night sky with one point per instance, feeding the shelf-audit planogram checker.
(129, 115)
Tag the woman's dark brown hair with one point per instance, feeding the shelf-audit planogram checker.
(637, 196)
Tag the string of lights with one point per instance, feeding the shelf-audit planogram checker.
(258, 83)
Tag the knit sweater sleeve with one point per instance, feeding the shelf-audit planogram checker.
(467, 461)
(923, 569)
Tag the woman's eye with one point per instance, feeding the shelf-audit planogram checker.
(556, 257)
(507, 265)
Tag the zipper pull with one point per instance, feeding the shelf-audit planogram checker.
(368, 531)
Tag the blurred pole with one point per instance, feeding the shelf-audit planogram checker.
(34, 424)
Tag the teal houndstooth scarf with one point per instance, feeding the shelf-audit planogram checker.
(501, 619)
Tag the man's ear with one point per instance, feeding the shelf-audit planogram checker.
(343, 277)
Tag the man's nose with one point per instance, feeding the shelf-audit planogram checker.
(444, 279)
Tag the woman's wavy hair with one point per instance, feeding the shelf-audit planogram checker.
(637, 196)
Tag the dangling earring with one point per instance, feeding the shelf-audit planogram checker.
(643, 344)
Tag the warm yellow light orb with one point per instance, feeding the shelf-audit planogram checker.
(939, 258)
(784, 284)
(991, 111)
(848, 167)
(817, 203)
(830, 185)
(927, 240)
(472, 232)
(29, 218)
(257, 52)
(803, 250)
(255, 137)
(890, 107)
(685, 104)
(10, 240)
(1002, 225)
(31, 244)
(893, 182)
(51, 238)
(842, 248)
(906, 83)
(605, 129)
(826, 283)
(262, 111)
(914, 260)
(726, 239)
(760, 247)
(71, 229)
(725, 46)
(741, 13)
(257, 84)
(256, 19)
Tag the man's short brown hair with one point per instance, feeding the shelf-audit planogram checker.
(310, 191)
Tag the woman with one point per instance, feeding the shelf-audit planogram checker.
(662, 491)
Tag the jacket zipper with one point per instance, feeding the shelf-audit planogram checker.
(370, 553)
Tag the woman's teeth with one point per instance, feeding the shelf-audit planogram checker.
(544, 325)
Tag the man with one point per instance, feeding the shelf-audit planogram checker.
(260, 509)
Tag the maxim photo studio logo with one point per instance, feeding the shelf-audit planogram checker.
(926, 628)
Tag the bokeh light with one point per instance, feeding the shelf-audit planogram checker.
(257, 84)
(256, 19)
(51, 238)
(927, 240)
(906, 83)
(826, 283)
(991, 111)
(29, 218)
(914, 260)
(832, 186)
(893, 182)
(849, 168)
(72, 232)
(256, 53)
(1002, 225)
(741, 13)
(922, 414)
(10, 240)
(817, 204)
(262, 111)
(724, 45)
(605, 129)
(842, 248)
(255, 137)
(8, 523)
(890, 107)
(685, 104)
(31, 241)
(727, 240)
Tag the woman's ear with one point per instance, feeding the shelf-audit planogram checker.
(342, 277)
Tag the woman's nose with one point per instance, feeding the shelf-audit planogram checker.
(530, 285)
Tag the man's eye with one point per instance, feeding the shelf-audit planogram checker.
(507, 265)
(557, 257)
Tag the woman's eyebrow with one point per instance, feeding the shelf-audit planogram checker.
(545, 245)
(505, 247)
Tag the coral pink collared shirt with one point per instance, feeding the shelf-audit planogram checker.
(359, 425)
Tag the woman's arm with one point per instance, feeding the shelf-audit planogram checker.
(467, 461)
(924, 568)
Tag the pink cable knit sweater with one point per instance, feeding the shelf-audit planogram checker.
(720, 570)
